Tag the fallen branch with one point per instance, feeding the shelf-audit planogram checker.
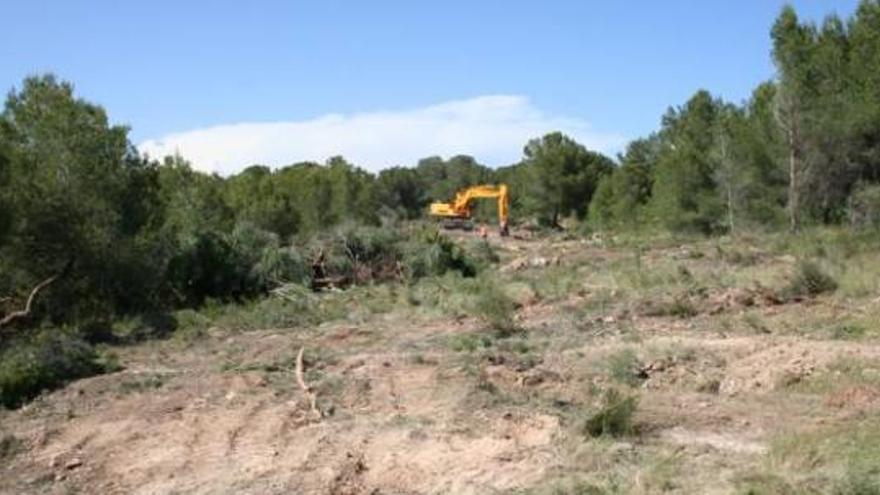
(23, 313)
(310, 393)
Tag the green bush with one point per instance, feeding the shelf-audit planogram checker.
(278, 266)
(370, 253)
(810, 280)
(614, 417)
(47, 361)
(858, 483)
(865, 206)
(467, 342)
(9, 446)
(207, 266)
(430, 253)
(624, 366)
(494, 307)
(483, 253)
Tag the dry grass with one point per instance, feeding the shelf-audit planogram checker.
(632, 366)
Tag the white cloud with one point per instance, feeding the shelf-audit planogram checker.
(491, 128)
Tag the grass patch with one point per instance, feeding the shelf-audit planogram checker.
(142, 384)
(624, 367)
(469, 342)
(495, 308)
(809, 280)
(614, 416)
(842, 459)
(848, 331)
(10, 446)
(842, 373)
(47, 361)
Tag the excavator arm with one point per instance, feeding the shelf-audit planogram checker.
(461, 206)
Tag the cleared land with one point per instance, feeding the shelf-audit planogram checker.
(744, 369)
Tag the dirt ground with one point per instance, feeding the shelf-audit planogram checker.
(410, 403)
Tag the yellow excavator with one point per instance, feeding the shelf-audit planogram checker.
(459, 209)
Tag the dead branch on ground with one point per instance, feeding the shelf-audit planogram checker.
(310, 393)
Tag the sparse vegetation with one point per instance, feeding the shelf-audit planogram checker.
(9, 446)
(45, 362)
(700, 313)
(624, 366)
(810, 280)
(495, 308)
(614, 416)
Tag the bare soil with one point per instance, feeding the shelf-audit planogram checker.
(405, 412)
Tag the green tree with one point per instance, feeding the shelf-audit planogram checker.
(402, 191)
(564, 176)
(793, 46)
(685, 193)
(69, 182)
(621, 197)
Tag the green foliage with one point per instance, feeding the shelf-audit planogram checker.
(402, 192)
(482, 252)
(564, 176)
(865, 206)
(621, 196)
(430, 253)
(810, 280)
(624, 367)
(469, 342)
(49, 360)
(614, 416)
(9, 446)
(858, 483)
(684, 196)
(494, 307)
(842, 459)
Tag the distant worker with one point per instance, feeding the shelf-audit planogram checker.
(484, 233)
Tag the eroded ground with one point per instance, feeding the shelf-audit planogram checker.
(738, 387)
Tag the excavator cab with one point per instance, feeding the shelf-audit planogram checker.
(459, 210)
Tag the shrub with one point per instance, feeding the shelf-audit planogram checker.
(858, 483)
(206, 266)
(483, 253)
(865, 206)
(624, 367)
(9, 446)
(494, 307)
(614, 417)
(810, 280)
(431, 253)
(51, 359)
(372, 253)
(278, 266)
(469, 342)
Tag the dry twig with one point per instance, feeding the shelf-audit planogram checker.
(310, 393)
(23, 313)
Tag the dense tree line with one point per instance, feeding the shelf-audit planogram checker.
(804, 149)
(131, 233)
(126, 234)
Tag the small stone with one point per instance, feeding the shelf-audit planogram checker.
(73, 463)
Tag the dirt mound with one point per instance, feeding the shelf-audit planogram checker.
(856, 397)
(784, 364)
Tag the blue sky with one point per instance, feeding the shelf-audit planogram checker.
(470, 72)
